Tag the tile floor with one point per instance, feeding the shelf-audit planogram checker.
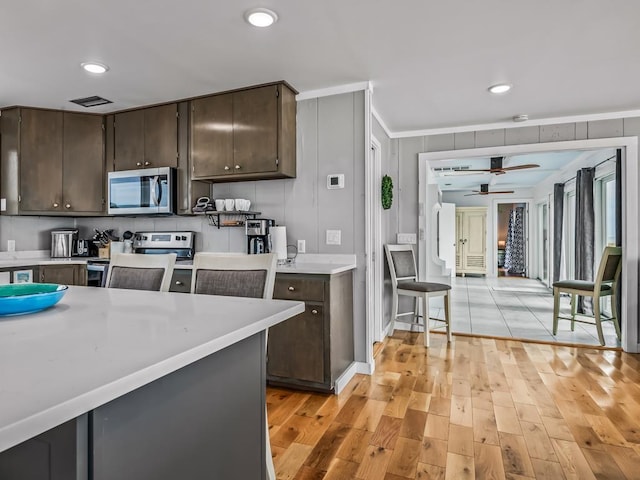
(514, 307)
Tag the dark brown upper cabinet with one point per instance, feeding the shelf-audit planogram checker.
(52, 162)
(247, 134)
(146, 138)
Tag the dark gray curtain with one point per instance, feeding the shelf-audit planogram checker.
(558, 205)
(585, 232)
(514, 256)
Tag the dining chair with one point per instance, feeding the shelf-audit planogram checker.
(238, 275)
(404, 281)
(140, 272)
(605, 285)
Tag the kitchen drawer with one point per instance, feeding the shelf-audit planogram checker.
(181, 281)
(305, 289)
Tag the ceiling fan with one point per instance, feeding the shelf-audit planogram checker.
(484, 190)
(498, 169)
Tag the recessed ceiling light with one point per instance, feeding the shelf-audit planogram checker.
(500, 88)
(93, 67)
(261, 17)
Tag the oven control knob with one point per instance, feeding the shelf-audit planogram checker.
(144, 237)
(177, 237)
(184, 239)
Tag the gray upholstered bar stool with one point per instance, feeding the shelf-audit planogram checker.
(404, 281)
(237, 275)
(140, 272)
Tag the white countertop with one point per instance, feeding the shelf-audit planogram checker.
(322, 264)
(97, 344)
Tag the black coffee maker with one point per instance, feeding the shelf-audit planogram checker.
(258, 236)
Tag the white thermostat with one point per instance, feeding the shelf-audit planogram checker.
(335, 181)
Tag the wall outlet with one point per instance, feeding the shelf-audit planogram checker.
(11, 245)
(301, 246)
(409, 238)
(334, 237)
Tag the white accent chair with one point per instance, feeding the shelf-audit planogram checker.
(404, 281)
(237, 275)
(605, 285)
(140, 272)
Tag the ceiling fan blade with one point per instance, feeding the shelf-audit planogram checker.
(499, 191)
(521, 167)
(472, 194)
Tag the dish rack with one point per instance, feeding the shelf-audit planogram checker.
(233, 218)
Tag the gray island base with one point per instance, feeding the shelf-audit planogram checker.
(202, 420)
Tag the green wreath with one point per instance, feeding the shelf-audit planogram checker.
(387, 192)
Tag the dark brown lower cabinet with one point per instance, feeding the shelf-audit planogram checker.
(62, 274)
(311, 350)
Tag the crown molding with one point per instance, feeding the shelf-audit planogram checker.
(510, 124)
(377, 116)
(337, 90)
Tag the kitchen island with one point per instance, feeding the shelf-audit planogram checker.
(136, 385)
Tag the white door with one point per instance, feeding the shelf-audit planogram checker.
(447, 236)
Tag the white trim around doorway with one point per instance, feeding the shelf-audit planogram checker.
(630, 211)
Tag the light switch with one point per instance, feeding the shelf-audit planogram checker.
(334, 237)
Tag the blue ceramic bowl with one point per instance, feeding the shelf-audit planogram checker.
(21, 298)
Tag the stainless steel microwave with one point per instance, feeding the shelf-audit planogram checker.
(148, 191)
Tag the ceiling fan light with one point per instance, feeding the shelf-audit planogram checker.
(261, 17)
(499, 88)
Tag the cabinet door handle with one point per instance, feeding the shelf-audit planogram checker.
(178, 282)
(68, 205)
(226, 167)
(292, 289)
(138, 164)
(146, 164)
(56, 204)
(314, 312)
(237, 167)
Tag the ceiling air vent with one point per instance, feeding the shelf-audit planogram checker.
(91, 101)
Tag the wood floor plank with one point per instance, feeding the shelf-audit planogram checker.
(459, 467)
(547, 470)
(370, 415)
(430, 472)
(475, 408)
(374, 465)
(515, 456)
(404, 460)
(434, 452)
(341, 470)
(354, 445)
(538, 442)
(488, 462)
(484, 427)
(413, 424)
(573, 462)
(387, 432)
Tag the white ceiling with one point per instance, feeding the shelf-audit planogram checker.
(551, 163)
(429, 62)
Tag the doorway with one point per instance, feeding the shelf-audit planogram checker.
(630, 217)
(512, 239)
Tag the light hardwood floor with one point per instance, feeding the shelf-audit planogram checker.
(480, 408)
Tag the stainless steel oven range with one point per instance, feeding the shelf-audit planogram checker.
(148, 243)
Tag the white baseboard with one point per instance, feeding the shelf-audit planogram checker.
(355, 367)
